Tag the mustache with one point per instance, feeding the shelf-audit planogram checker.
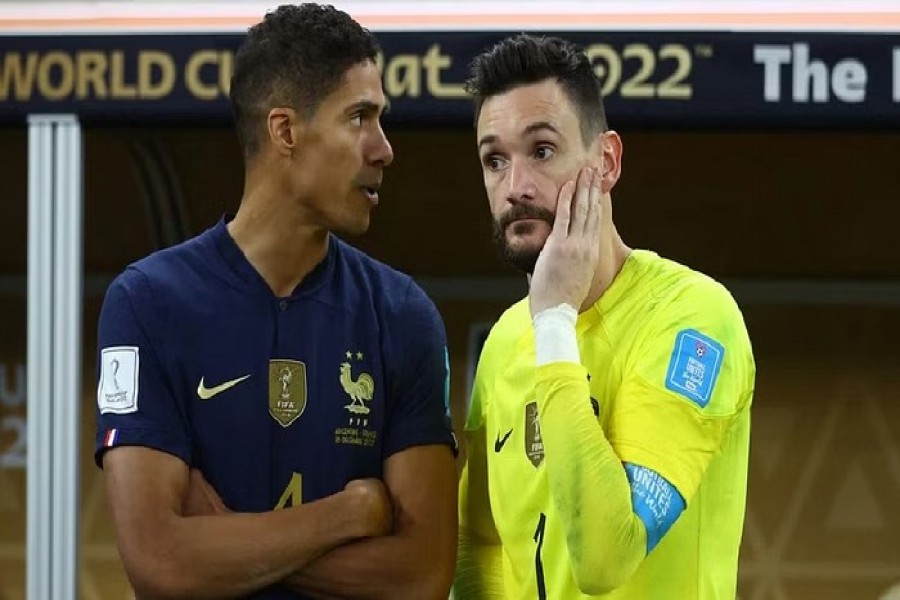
(524, 211)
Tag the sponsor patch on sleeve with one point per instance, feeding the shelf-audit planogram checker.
(117, 391)
(694, 366)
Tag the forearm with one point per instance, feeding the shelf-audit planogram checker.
(235, 554)
(397, 567)
(588, 484)
(416, 559)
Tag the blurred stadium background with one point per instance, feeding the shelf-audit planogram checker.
(762, 146)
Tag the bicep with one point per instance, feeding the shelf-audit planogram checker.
(421, 482)
(680, 397)
(145, 491)
(666, 434)
(137, 404)
(418, 389)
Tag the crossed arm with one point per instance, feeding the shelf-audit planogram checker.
(342, 545)
(416, 560)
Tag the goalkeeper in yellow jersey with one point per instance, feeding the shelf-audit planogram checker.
(609, 425)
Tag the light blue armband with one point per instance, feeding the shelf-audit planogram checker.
(654, 500)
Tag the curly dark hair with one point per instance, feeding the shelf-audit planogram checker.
(525, 59)
(295, 57)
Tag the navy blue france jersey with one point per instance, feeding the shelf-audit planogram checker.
(277, 400)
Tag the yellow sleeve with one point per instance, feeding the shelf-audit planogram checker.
(479, 568)
(671, 416)
(606, 540)
(690, 376)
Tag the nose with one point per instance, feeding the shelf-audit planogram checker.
(520, 180)
(380, 151)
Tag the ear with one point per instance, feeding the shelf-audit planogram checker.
(282, 126)
(610, 149)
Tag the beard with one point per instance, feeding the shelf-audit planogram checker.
(526, 258)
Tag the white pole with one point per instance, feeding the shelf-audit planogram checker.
(40, 317)
(55, 276)
(67, 360)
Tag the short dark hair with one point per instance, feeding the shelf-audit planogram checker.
(525, 59)
(295, 57)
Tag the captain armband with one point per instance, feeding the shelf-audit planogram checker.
(655, 501)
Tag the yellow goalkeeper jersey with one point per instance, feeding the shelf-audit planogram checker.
(665, 383)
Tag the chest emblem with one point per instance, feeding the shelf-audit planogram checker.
(287, 390)
(361, 389)
(534, 443)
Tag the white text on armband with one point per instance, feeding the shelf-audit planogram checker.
(654, 500)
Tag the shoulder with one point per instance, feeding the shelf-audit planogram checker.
(167, 276)
(506, 333)
(373, 270)
(674, 290)
(692, 312)
(391, 291)
(692, 342)
(165, 266)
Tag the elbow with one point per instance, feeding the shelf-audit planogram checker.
(425, 587)
(149, 588)
(161, 578)
(597, 584)
(599, 575)
(439, 583)
(600, 568)
(597, 581)
(426, 580)
(144, 590)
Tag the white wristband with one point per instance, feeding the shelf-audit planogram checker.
(554, 335)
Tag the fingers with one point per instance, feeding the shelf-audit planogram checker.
(578, 205)
(581, 201)
(595, 208)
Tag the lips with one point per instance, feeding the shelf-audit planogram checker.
(370, 192)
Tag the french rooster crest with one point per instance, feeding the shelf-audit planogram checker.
(359, 390)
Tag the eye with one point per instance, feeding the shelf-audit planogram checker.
(356, 119)
(492, 162)
(544, 151)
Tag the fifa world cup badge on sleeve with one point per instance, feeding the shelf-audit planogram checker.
(117, 391)
(694, 366)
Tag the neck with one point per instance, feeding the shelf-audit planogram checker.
(278, 237)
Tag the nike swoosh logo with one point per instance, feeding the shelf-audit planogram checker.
(206, 393)
(498, 443)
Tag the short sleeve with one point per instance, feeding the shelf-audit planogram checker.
(136, 405)
(419, 402)
(686, 380)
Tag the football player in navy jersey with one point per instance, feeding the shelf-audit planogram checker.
(272, 403)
